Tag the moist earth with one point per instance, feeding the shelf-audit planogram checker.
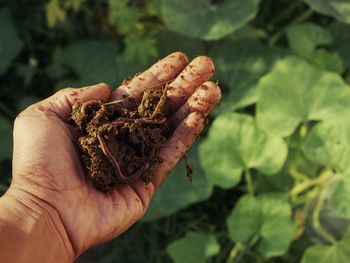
(118, 139)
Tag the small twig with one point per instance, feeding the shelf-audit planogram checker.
(123, 120)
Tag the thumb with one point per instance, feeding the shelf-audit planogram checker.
(62, 101)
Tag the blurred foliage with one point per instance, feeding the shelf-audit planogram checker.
(272, 177)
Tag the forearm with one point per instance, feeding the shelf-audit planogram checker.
(30, 232)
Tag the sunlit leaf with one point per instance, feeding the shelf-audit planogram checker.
(239, 66)
(235, 143)
(337, 253)
(54, 13)
(294, 92)
(208, 20)
(177, 192)
(193, 248)
(10, 44)
(267, 219)
(339, 9)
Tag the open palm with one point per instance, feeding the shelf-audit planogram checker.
(47, 169)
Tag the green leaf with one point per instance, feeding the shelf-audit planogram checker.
(140, 47)
(328, 61)
(339, 199)
(337, 253)
(305, 39)
(10, 44)
(294, 92)
(54, 13)
(267, 217)
(123, 16)
(177, 192)
(339, 9)
(239, 66)
(206, 19)
(92, 61)
(193, 248)
(328, 144)
(166, 39)
(5, 138)
(235, 143)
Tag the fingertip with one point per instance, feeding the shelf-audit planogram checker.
(213, 92)
(206, 64)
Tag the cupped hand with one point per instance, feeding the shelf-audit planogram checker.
(47, 173)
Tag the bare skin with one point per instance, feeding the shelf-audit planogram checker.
(51, 213)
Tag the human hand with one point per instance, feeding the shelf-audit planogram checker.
(47, 173)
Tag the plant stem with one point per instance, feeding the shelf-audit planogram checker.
(249, 181)
(305, 15)
(316, 218)
(308, 183)
(234, 252)
(295, 4)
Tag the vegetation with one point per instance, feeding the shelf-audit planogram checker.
(272, 170)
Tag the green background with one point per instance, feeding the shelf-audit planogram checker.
(272, 168)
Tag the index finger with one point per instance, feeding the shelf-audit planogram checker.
(163, 71)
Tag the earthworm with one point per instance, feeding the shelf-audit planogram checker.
(119, 174)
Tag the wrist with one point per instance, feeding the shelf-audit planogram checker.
(31, 230)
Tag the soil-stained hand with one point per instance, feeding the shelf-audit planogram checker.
(46, 168)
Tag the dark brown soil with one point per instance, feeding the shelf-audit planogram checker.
(117, 143)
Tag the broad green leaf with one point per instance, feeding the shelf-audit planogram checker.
(239, 66)
(245, 219)
(165, 44)
(341, 35)
(339, 199)
(10, 44)
(328, 144)
(326, 60)
(91, 60)
(294, 92)
(337, 253)
(206, 19)
(177, 192)
(339, 9)
(193, 248)
(54, 13)
(268, 217)
(235, 143)
(139, 47)
(5, 138)
(305, 39)
(123, 16)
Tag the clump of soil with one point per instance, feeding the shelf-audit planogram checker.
(117, 143)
